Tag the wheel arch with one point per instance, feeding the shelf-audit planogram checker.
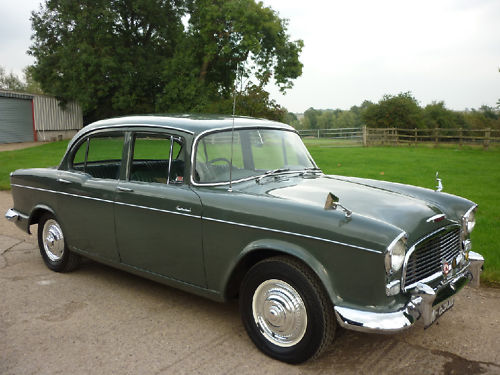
(37, 212)
(263, 249)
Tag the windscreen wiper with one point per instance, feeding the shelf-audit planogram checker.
(311, 170)
(271, 172)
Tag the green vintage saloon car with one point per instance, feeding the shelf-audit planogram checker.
(236, 207)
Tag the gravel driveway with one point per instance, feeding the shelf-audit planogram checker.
(98, 320)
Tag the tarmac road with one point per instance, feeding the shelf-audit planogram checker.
(98, 320)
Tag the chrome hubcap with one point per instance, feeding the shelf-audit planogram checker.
(279, 312)
(53, 240)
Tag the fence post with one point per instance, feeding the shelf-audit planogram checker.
(487, 134)
(415, 139)
(397, 136)
(364, 136)
(435, 137)
(460, 138)
(318, 133)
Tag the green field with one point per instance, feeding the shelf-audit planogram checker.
(471, 173)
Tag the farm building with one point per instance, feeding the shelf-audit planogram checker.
(27, 118)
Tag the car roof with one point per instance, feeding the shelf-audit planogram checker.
(189, 123)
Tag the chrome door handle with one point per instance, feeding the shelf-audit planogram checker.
(63, 181)
(125, 190)
(182, 209)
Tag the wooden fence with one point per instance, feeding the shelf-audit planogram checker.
(393, 136)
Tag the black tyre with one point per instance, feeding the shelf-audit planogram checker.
(286, 311)
(53, 247)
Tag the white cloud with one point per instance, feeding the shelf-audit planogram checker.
(356, 50)
(360, 49)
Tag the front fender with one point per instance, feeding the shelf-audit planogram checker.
(277, 247)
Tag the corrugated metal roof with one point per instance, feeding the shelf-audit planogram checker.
(14, 94)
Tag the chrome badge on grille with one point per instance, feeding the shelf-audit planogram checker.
(446, 268)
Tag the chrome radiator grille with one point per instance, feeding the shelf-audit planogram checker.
(429, 255)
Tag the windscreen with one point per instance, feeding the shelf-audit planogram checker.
(254, 152)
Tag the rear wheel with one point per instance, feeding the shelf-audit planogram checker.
(53, 247)
(286, 311)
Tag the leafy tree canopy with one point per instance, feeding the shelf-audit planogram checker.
(125, 56)
(10, 81)
(399, 111)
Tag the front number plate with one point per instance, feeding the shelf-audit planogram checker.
(441, 309)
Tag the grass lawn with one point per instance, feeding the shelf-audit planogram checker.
(471, 173)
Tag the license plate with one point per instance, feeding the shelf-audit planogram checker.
(441, 309)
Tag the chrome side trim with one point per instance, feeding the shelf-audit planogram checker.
(62, 193)
(157, 209)
(204, 218)
(107, 201)
(291, 233)
(11, 214)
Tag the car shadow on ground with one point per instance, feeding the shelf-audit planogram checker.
(350, 352)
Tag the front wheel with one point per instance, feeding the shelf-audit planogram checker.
(286, 311)
(53, 247)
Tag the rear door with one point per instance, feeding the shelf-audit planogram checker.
(86, 205)
(157, 215)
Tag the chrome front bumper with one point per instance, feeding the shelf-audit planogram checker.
(11, 215)
(422, 305)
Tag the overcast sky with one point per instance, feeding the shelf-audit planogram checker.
(360, 49)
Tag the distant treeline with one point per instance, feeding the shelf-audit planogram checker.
(400, 111)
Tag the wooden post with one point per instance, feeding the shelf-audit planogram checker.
(318, 133)
(364, 136)
(460, 138)
(415, 140)
(397, 136)
(435, 137)
(487, 134)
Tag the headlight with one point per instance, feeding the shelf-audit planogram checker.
(395, 254)
(469, 220)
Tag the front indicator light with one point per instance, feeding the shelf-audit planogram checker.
(393, 288)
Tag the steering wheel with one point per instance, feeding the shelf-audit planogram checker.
(219, 159)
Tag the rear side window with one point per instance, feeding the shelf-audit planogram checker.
(100, 156)
(157, 158)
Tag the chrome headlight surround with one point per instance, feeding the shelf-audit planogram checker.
(469, 220)
(395, 254)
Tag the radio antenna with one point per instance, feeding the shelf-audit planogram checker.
(232, 130)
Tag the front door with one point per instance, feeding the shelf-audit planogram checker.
(157, 216)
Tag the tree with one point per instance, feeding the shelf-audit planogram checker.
(13, 82)
(123, 56)
(311, 118)
(10, 81)
(436, 115)
(400, 111)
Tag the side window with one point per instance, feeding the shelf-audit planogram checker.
(157, 158)
(100, 156)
